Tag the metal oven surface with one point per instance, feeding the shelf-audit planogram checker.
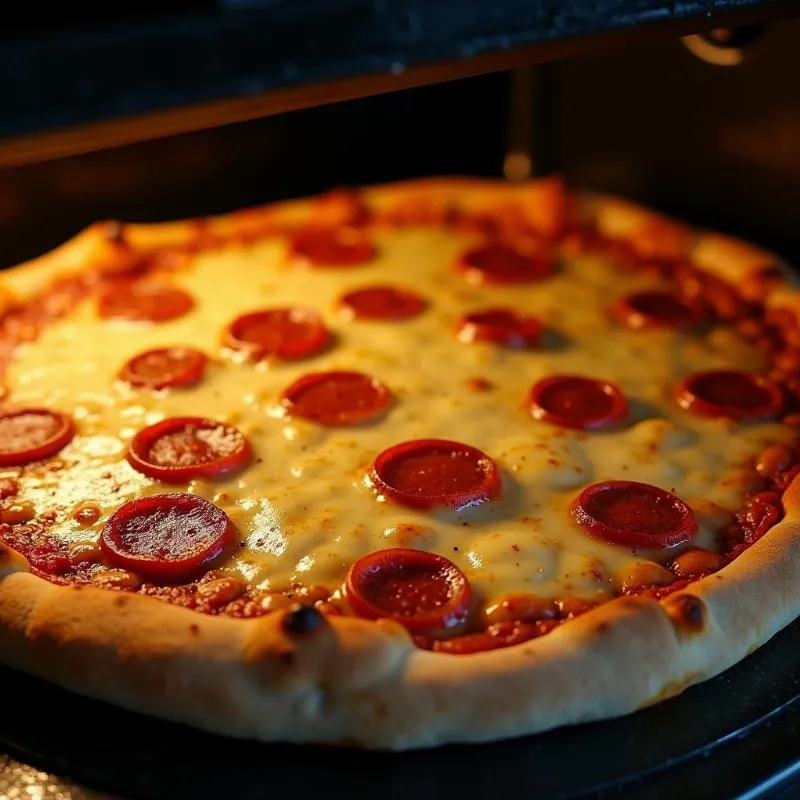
(145, 69)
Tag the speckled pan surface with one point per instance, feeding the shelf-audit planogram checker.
(354, 681)
(19, 781)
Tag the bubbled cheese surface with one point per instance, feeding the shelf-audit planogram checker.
(303, 509)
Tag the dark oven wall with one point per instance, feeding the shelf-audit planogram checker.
(718, 145)
(451, 128)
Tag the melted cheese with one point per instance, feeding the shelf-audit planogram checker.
(303, 508)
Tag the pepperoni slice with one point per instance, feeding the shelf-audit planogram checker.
(337, 398)
(332, 247)
(168, 366)
(31, 434)
(166, 538)
(287, 333)
(382, 303)
(143, 301)
(423, 591)
(729, 393)
(425, 473)
(575, 402)
(634, 514)
(499, 263)
(179, 449)
(501, 326)
(654, 309)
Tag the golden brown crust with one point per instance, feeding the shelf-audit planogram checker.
(352, 681)
(729, 258)
(757, 273)
(648, 232)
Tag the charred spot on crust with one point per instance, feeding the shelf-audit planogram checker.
(771, 271)
(603, 627)
(687, 611)
(302, 620)
(195, 629)
(121, 601)
(114, 231)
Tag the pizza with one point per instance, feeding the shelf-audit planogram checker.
(441, 461)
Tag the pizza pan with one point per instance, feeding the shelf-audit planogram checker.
(734, 736)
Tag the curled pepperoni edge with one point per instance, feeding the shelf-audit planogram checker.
(57, 442)
(373, 567)
(624, 310)
(617, 413)
(352, 304)
(687, 398)
(159, 570)
(223, 465)
(288, 351)
(189, 374)
(380, 394)
(523, 330)
(597, 528)
(491, 487)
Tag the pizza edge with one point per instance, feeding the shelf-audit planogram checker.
(341, 680)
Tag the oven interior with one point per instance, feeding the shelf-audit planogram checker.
(697, 116)
(695, 120)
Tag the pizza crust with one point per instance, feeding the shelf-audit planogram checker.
(359, 683)
(363, 683)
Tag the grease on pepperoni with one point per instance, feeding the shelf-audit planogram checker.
(634, 514)
(337, 398)
(572, 401)
(166, 538)
(143, 301)
(384, 303)
(180, 449)
(284, 333)
(165, 367)
(656, 309)
(425, 473)
(31, 434)
(425, 592)
(502, 263)
(339, 246)
(737, 395)
(502, 326)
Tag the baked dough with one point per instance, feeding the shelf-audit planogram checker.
(350, 681)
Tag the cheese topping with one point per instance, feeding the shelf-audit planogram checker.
(304, 509)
